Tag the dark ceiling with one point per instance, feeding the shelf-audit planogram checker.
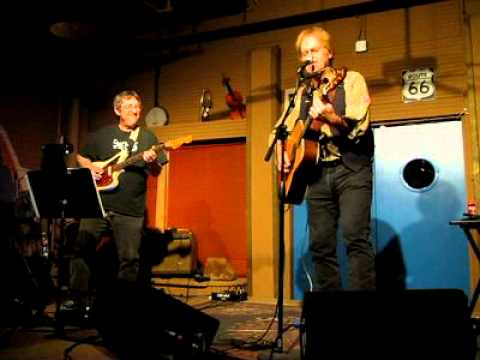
(60, 42)
(62, 45)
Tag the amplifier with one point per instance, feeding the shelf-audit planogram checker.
(181, 255)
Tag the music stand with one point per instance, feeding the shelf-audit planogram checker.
(75, 196)
(58, 193)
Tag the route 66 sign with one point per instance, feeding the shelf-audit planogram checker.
(418, 85)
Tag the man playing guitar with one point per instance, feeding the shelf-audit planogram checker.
(332, 111)
(125, 203)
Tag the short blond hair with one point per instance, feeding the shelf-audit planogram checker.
(322, 35)
(117, 101)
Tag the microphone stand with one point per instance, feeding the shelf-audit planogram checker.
(281, 135)
(281, 132)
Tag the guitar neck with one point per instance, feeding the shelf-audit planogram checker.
(137, 157)
(229, 89)
(308, 103)
(307, 124)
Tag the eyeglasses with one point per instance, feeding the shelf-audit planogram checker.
(316, 50)
(131, 106)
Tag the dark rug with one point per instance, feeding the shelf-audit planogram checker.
(248, 329)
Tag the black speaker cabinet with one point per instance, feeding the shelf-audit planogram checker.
(146, 323)
(407, 324)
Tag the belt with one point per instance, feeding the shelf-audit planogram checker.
(333, 163)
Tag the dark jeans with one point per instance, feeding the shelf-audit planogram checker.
(341, 197)
(126, 232)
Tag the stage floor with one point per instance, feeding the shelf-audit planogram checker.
(247, 331)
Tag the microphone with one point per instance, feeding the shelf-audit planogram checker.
(302, 67)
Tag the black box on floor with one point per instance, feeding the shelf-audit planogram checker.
(407, 324)
(142, 323)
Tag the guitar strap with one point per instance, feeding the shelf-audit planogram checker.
(339, 99)
(304, 107)
(336, 97)
(134, 134)
(133, 137)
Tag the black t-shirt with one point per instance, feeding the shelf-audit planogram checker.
(128, 197)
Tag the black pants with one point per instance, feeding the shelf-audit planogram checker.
(126, 232)
(341, 197)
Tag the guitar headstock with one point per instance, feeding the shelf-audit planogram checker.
(176, 143)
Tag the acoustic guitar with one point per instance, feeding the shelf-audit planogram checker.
(301, 150)
(114, 166)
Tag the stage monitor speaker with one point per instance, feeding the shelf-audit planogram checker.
(146, 323)
(406, 324)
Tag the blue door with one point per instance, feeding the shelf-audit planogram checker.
(419, 186)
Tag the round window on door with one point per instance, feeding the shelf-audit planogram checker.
(419, 174)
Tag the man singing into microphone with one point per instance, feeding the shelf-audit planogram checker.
(339, 189)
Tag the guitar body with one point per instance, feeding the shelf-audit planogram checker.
(301, 150)
(109, 179)
(302, 154)
(114, 166)
(237, 113)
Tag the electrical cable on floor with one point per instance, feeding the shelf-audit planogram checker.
(304, 265)
(90, 340)
(271, 344)
(216, 304)
(257, 343)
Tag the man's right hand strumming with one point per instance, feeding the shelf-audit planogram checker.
(87, 163)
(96, 172)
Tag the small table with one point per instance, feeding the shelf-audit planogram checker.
(467, 224)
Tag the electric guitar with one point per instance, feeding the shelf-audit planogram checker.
(114, 166)
(302, 151)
